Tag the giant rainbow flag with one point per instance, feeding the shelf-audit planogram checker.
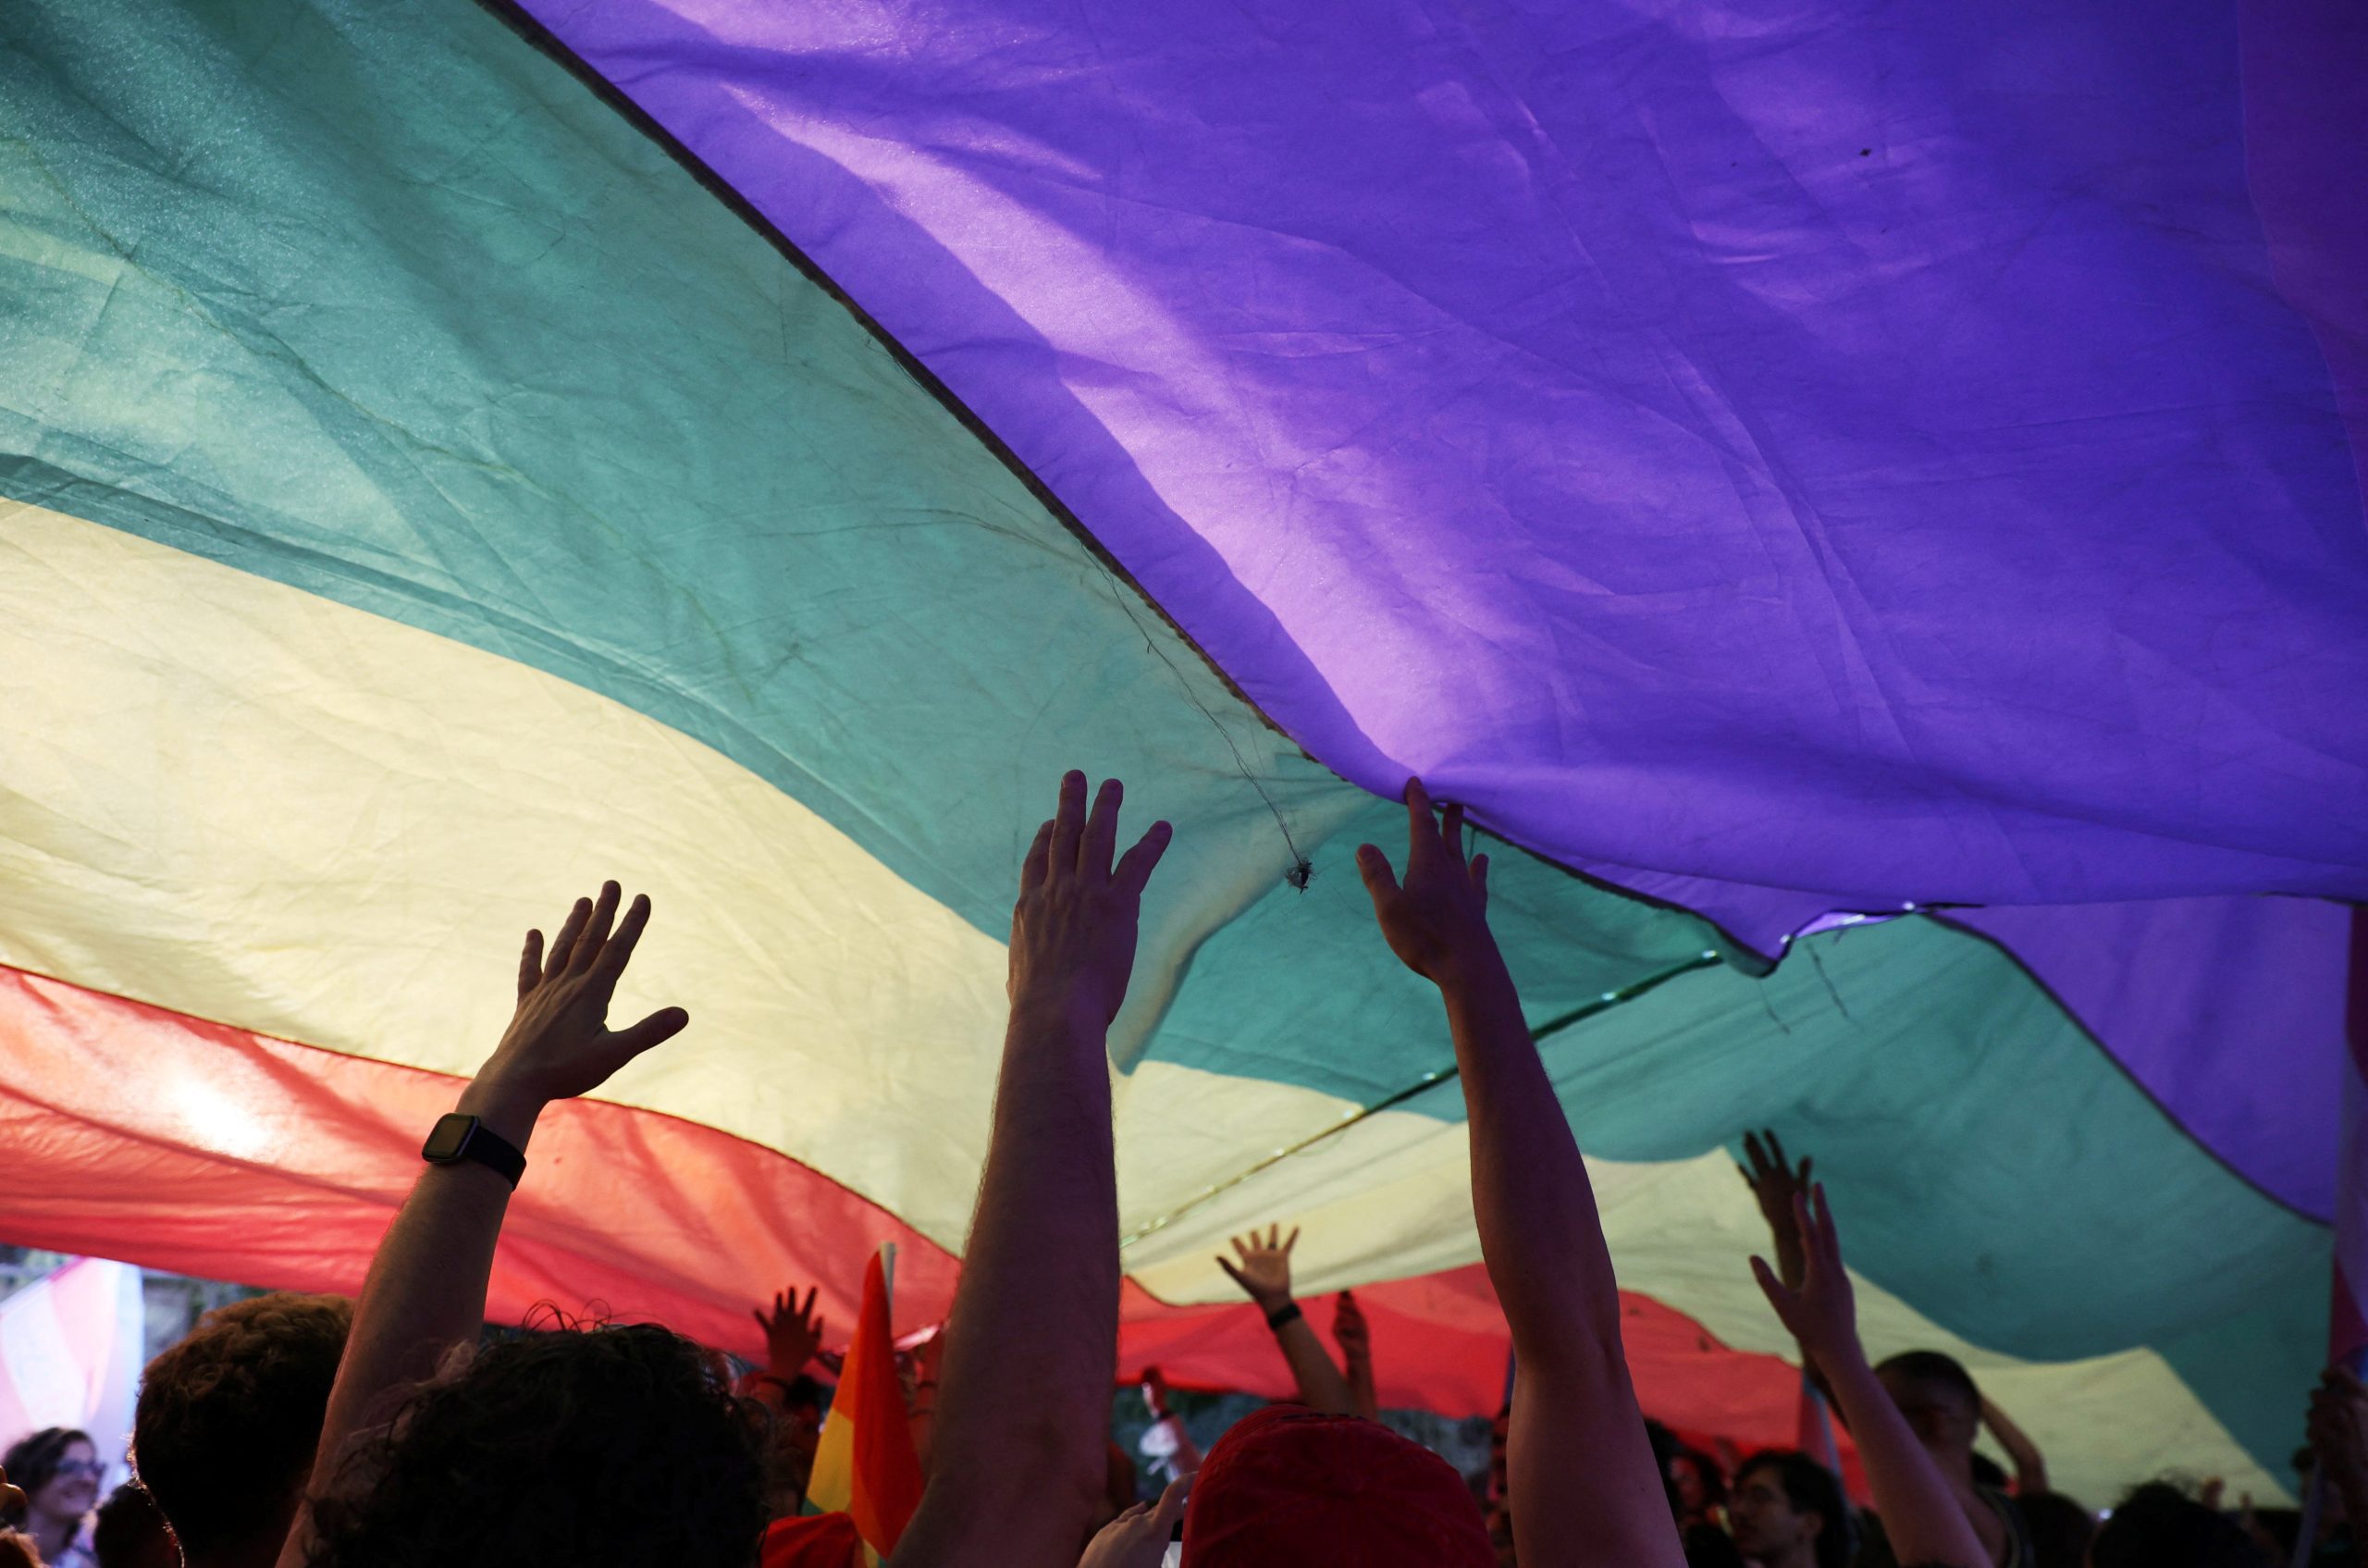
(1867, 496)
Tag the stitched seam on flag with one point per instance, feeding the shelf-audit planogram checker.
(532, 32)
(1423, 1085)
(2097, 1043)
(704, 1128)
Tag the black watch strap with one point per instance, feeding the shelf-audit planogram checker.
(460, 1137)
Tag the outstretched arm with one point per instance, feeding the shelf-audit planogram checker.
(1921, 1511)
(426, 1286)
(1581, 1472)
(2030, 1465)
(1356, 1352)
(1775, 1181)
(1025, 1406)
(1265, 1275)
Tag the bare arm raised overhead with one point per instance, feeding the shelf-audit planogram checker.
(426, 1287)
(1583, 1487)
(1024, 1409)
(1921, 1511)
(1265, 1275)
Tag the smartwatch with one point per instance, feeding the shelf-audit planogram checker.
(459, 1137)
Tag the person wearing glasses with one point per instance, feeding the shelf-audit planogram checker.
(59, 1470)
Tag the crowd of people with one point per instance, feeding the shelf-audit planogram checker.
(313, 1432)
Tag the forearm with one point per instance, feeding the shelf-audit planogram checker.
(1321, 1387)
(1026, 1381)
(424, 1293)
(1576, 1430)
(1922, 1515)
(1539, 1233)
(2030, 1466)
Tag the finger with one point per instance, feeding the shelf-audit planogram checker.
(1294, 1242)
(619, 952)
(1039, 855)
(1776, 1150)
(1770, 1286)
(1136, 866)
(1480, 877)
(564, 943)
(1814, 1256)
(659, 1027)
(1068, 821)
(1232, 1273)
(1751, 1149)
(1238, 1249)
(1101, 839)
(530, 964)
(1173, 1501)
(595, 934)
(1829, 1234)
(1379, 880)
(762, 1322)
(1452, 832)
(1422, 827)
(807, 1309)
(1274, 1237)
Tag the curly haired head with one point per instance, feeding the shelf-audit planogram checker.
(588, 1448)
(229, 1418)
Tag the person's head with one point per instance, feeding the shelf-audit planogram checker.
(2159, 1526)
(1783, 1503)
(1700, 1486)
(1287, 1486)
(599, 1448)
(228, 1420)
(1937, 1395)
(58, 1469)
(2060, 1529)
(129, 1531)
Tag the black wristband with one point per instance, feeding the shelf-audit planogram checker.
(1283, 1316)
(460, 1137)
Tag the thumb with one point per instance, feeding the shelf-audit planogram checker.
(1774, 1289)
(661, 1025)
(1232, 1273)
(1380, 880)
(1171, 1500)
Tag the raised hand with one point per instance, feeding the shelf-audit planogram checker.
(1073, 929)
(1349, 1327)
(793, 1332)
(1264, 1273)
(1774, 1181)
(1436, 919)
(1822, 1312)
(1137, 1538)
(559, 1043)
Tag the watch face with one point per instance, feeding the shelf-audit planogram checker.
(451, 1136)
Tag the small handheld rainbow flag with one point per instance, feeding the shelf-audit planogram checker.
(865, 1463)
